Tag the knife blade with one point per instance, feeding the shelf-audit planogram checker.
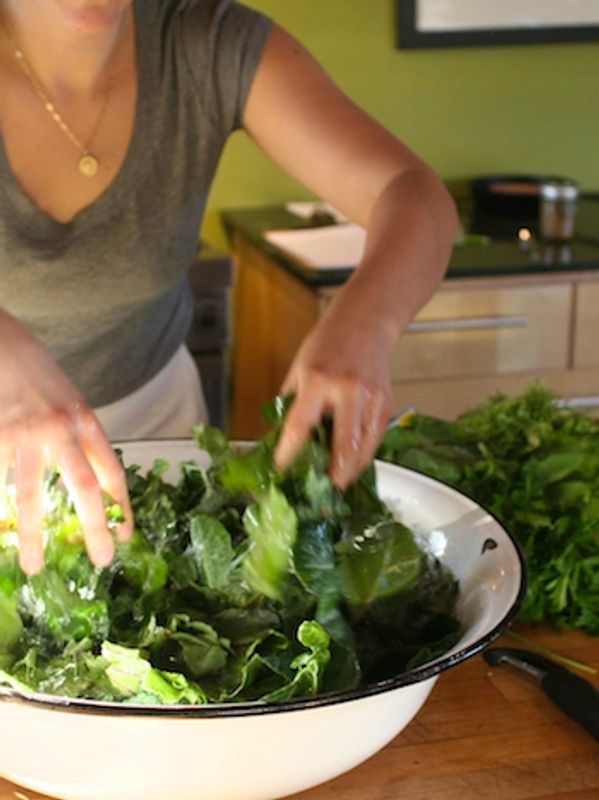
(572, 694)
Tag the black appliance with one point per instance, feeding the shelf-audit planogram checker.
(210, 277)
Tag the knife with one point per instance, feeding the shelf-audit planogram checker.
(574, 695)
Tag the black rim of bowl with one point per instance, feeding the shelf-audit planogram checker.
(257, 708)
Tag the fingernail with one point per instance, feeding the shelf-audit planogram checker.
(103, 554)
(338, 479)
(124, 532)
(31, 560)
(281, 456)
(287, 448)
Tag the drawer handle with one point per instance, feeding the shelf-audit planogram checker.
(466, 324)
(591, 401)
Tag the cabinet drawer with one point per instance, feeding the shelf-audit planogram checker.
(448, 397)
(481, 331)
(586, 329)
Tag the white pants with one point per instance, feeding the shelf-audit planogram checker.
(168, 405)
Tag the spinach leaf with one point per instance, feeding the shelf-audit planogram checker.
(377, 560)
(271, 526)
(308, 666)
(212, 549)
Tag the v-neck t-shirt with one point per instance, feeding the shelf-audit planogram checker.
(107, 292)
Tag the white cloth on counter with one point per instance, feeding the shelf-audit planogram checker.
(167, 406)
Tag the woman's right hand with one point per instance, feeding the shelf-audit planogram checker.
(45, 422)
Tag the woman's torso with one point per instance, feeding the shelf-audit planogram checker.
(106, 289)
(42, 157)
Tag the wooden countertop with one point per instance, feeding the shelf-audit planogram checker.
(482, 735)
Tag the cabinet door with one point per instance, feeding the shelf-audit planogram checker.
(586, 328)
(470, 332)
(273, 312)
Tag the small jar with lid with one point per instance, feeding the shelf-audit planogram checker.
(558, 202)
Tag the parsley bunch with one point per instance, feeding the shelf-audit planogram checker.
(535, 466)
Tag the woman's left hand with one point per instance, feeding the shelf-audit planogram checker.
(342, 371)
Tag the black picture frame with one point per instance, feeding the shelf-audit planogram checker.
(410, 37)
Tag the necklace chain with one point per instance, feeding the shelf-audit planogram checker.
(88, 164)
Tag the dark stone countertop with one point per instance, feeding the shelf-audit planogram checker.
(501, 254)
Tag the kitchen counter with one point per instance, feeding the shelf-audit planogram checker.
(500, 256)
(483, 734)
(507, 314)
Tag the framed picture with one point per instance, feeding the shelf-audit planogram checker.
(457, 23)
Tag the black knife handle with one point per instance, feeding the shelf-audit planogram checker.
(576, 697)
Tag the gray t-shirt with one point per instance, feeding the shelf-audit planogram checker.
(107, 292)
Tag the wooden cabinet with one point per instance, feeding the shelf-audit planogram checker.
(272, 312)
(475, 331)
(586, 328)
(475, 337)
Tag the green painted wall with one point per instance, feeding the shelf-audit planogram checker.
(467, 111)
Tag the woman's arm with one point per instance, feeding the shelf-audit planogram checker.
(46, 422)
(306, 124)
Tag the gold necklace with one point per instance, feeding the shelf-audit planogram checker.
(88, 164)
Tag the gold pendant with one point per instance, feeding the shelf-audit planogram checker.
(88, 165)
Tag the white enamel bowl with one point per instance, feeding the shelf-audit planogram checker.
(86, 750)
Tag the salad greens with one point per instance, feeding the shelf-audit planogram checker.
(535, 466)
(239, 583)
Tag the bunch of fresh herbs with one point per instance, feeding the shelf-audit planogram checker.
(535, 466)
(240, 583)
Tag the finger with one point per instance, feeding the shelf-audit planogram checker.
(83, 486)
(305, 413)
(108, 469)
(289, 385)
(29, 489)
(7, 510)
(374, 423)
(6, 459)
(347, 436)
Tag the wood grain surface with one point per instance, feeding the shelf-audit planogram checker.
(484, 734)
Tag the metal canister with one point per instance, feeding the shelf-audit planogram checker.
(558, 203)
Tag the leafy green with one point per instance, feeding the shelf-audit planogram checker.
(133, 677)
(240, 583)
(535, 466)
(213, 550)
(271, 526)
(11, 630)
(377, 561)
